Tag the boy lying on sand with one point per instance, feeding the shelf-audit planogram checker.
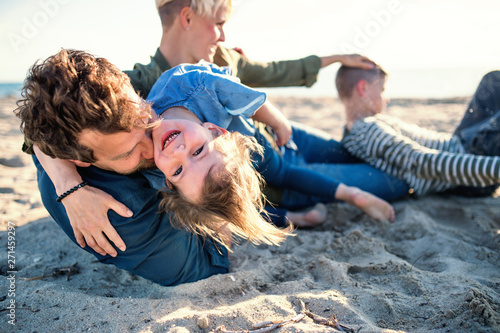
(426, 160)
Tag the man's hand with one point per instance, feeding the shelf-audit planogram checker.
(87, 211)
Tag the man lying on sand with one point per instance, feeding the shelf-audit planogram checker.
(428, 161)
(83, 109)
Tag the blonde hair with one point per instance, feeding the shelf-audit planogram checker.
(209, 7)
(169, 9)
(231, 198)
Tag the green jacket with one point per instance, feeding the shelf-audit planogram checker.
(286, 73)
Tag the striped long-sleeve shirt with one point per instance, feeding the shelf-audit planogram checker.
(426, 160)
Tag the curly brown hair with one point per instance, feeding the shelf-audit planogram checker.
(72, 91)
(231, 198)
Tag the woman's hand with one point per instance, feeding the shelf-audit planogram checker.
(349, 60)
(87, 211)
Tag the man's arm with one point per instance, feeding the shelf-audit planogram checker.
(86, 208)
(155, 250)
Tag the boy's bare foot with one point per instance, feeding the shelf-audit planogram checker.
(309, 218)
(372, 205)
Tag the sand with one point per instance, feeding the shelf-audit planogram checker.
(435, 269)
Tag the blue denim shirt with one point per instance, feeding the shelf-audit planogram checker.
(213, 95)
(155, 250)
(210, 93)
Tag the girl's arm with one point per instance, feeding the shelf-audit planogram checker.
(86, 208)
(270, 115)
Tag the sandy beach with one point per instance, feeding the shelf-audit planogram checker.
(435, 269)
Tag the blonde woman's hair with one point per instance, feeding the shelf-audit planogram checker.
(231, 198)
(168, 10)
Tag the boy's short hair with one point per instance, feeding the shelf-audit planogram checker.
(231, 197)
(169, 9)
(72, 91)
(348, 77)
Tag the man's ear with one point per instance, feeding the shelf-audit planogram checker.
(216, 130)
(185, 17)
(81, 164)
(360, 87)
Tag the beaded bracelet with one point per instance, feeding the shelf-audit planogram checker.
(68, 192)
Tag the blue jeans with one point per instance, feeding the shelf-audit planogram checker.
(278, 173)
(317, 151)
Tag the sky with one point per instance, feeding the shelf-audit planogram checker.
(431, 48)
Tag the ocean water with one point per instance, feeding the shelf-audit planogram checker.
(10, 89)
(402, 83)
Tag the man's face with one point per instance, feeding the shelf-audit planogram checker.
(375, 99)
(207, 33)
(122, 152)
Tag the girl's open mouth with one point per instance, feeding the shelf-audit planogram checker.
(169, 137)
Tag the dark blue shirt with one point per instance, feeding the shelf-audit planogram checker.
(155, 250)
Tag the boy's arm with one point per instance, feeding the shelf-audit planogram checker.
(270, 115)
(86, 208)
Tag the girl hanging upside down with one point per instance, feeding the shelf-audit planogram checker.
(216, 143)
